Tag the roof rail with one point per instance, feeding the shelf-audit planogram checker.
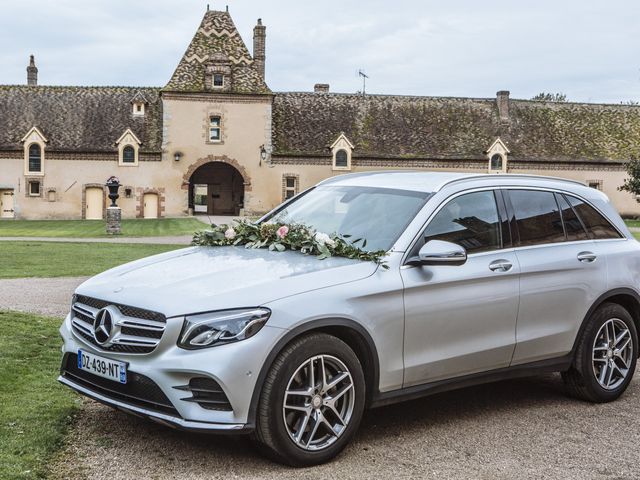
(507, 175)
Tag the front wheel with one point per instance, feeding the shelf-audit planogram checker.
(312, 401)
(606, 355)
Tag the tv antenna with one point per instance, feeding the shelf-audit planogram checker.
(364, 80)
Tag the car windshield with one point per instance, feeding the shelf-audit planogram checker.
(377, 215)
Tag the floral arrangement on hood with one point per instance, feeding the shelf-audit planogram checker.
(281, 237)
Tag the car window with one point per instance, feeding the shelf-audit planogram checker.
(572, 224)
(470, 220)
(597, 226)
(537, 217)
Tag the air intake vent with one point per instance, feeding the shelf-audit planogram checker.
(207, 393)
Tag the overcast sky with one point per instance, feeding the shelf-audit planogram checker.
(587, 49)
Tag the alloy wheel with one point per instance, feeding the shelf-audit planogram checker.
(612, 354)
(318, 402)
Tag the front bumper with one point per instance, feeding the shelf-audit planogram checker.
(235, 367)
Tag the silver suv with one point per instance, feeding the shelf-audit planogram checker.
(489, 277)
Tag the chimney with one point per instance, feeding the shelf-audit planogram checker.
(32, 72)
(259, 38)
(321, 88)
(502, 99)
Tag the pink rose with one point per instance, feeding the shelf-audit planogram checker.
(282, 231)
(230, 233)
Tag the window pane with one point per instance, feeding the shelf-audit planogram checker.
(496, 162)
(35, 158)
(215, 121)
(128, 155)
(470, 221)
(572, 224)
(597, 226)
(537, 217)
(291, 182)
(341, 158)
(214, 133)
(289, 194)
(218, 80)
(34, 188)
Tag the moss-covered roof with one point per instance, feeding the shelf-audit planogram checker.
(216, 38)
(453, 128)
(88, 119)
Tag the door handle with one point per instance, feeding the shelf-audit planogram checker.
(587, 257)
(500, 266)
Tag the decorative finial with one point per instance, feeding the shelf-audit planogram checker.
(227, 8)
(207, 7)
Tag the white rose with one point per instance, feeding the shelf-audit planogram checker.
(230, 233)
(324, 239)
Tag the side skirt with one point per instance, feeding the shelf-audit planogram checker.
(559, 364)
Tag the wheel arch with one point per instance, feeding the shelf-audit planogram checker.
(625, 297)
(347, 330)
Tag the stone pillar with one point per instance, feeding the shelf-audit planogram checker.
(502, 99)
(114, 220)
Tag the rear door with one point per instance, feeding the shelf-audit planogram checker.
(461, 319)
(562, 272)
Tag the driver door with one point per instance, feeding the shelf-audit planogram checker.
(461, 320)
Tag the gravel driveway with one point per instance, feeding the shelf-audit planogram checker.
(516, 429)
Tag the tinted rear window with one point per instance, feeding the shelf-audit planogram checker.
(572, 224)
(597, 226)
(537, 217)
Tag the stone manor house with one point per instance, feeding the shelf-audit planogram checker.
(215, 139)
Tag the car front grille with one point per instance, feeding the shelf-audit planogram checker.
(139, 330)
(139, 390)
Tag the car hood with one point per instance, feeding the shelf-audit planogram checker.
(200, 279)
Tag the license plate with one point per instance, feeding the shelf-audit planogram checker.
(103, 367)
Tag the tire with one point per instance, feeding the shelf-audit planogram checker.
(277, 428)
(593, 376)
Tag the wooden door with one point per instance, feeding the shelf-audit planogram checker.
(150, 209)
(6, 203)
(94, 203)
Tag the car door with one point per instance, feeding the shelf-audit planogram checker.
(562, 273)
(461, 319)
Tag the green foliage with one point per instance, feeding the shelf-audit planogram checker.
(281, 237)
(632, 184)
(35, 411)
(69, 259)
(550, 97)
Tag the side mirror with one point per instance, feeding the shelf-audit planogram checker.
(438, 252)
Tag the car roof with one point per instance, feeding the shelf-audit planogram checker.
(434, 181)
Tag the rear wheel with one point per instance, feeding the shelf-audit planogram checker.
(606, 355)
(312, 401)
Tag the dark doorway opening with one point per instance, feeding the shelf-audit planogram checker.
(216, 188)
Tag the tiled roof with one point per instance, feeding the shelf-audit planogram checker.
(217, 37)
(88, 119)
(453, 128)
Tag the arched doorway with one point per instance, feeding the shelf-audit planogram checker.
(216, 188)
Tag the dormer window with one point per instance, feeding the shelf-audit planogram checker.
(128, 149)
(34, 152)
(138, 108)
(341, 150)
(497, 155)
(215, 128)
(35, 159)
(138, 103)
(218, 80)
(128, 154)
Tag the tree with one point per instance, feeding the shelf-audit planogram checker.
(632, 184)
(550, 97)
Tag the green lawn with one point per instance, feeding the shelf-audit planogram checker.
(96, 228)
(61, 259)
(632, 223)
(35, 411)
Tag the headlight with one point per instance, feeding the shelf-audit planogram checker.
(224, 326)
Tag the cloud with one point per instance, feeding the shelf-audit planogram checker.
(420, 47)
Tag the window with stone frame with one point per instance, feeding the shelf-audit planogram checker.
(34, 188)
(218, 80)
(128, 154)
(289, 186)
(35, 158)
(215, 128)
(497, 162)
(342, 158)
(597, 184)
